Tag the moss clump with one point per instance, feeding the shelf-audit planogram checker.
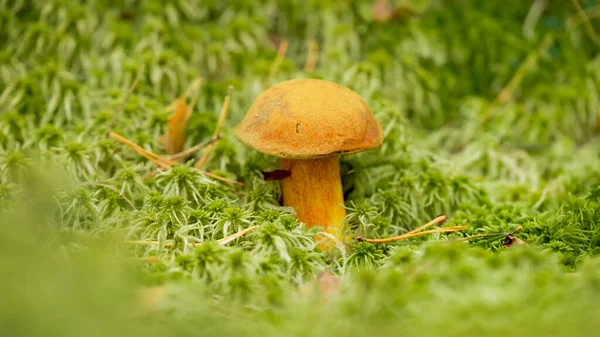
(489, 113)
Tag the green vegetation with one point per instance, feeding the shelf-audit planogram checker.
(489, 110)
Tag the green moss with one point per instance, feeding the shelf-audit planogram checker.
(527, 166)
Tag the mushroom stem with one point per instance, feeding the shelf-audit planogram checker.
(314, 190)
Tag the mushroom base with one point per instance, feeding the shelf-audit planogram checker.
(314, 190)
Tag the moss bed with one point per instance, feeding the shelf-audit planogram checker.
(489, 111)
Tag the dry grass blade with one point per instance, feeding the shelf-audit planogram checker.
(237, 235)
(509, 239)
(193, 149)
(154, 158)
(162, 162)
(220, 125)
(439, 220)
(467, 238)
(174, 140)
(419, 231)
(412, 235)
(216, 177)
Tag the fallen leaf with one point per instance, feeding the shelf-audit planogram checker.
(510, 240)
(174, 140)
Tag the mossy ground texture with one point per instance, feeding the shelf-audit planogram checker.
(489, 110)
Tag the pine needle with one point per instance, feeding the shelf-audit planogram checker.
(220, 125)
(214, 176)
(439, 220)
(193, 149)
(412, 235)
(154, 158)
(419, 231)
(467, 238)
(237, 235)
(162, 162)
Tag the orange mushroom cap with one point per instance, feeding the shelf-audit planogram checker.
(309, 118)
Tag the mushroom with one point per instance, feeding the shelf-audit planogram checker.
(308, 123)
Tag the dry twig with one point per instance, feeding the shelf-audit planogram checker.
(186, 153)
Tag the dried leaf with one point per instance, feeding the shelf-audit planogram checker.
(220, 125)
(174, 140)
(510, 241)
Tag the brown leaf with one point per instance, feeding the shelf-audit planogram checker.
(174, 140)
(276, 175)
(510, 241)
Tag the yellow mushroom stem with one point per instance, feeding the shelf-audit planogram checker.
(314, 190)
